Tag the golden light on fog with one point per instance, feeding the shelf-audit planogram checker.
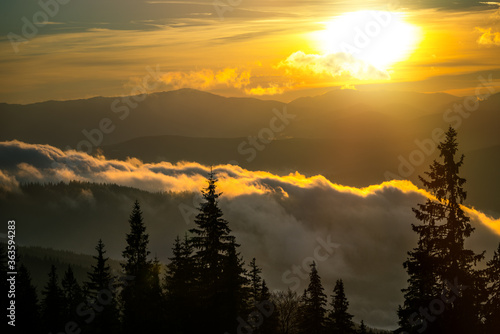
(379, 38)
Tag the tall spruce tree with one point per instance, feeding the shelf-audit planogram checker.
(269, 311)
(444, 290)
(139, 311)
(156, 298)
(101, 287)
(255, 281)
(72, 293)
(53, 305)
(234, 295)
(362, 328)
(254, 295)
(339, 319)
(218, 264)
(27, 307)
(180, 284)
(314, 302)
(492, 306)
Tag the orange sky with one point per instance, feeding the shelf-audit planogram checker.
(254, 48)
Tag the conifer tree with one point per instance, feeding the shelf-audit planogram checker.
(136, 252)
(72, 293)
(101, 286)
(339, 319)
(362, 328)
(219, 268)
(156, 298)
(492, 306)
(269, 311)
(254, 295)
(27, 307)
(180, 287)
(53, 310)
(234, 292)
(314, 302)
(139, 314)
(441, 265)
(255, 282)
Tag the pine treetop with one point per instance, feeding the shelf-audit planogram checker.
(100, 276)
(136, 251)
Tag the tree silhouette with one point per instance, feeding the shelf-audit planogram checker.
(255, 281)
(139, 312)
(440, 259)
(180, 287)
(339, 319)
(136, 252)
(219, 268)
(314, 302)
(27, 308)
(156, 298)
(100, 289)
(287, 305)
(234, 294)
(254, 295)
(270, 323)
(362, 328)
(492, 306)
(72, 293)
(53, 310)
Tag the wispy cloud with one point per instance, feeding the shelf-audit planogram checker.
(488, 37)
(334, 64)
(8, 182)
(207, 78)
(272, 89)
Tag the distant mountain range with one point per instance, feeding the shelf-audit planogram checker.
(351, 137)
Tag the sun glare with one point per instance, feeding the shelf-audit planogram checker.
(377, 37)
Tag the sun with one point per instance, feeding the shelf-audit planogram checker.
(379, 38)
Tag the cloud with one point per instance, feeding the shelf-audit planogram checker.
(8, 183)
(487, 37)
(207, 79)
(25, 162)
(279, 219)
(334, 64)
(272, 89)
(348, 86)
